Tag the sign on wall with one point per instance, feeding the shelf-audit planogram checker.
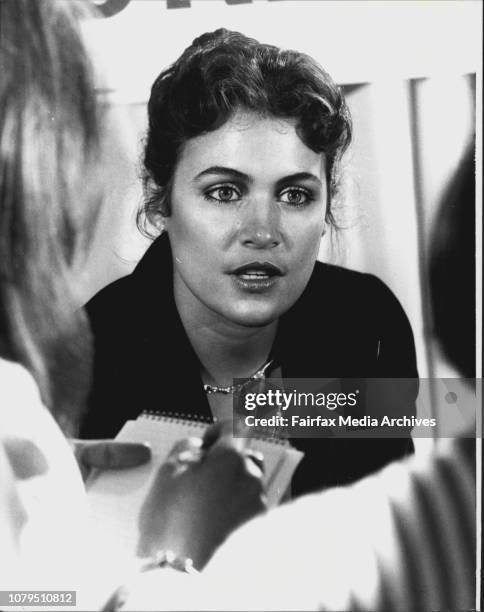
(112, 7)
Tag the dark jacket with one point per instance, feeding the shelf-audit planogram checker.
(345, 324)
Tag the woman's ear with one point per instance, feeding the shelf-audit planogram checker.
(163, 220)
(161, 224)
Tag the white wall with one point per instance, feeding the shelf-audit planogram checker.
(358, 41)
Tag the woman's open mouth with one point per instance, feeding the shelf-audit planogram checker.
(256, 276)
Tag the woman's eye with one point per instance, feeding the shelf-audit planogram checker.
(224, 193)
(295, 197)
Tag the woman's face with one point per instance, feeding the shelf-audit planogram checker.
(247, 214)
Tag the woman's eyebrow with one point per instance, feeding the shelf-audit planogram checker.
(299, 176)
(218, 170)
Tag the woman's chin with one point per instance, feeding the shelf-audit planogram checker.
(253, 316)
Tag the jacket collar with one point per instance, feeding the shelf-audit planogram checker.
(179, 367)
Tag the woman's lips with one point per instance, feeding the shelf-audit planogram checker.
(256, 277)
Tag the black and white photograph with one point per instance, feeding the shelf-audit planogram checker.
(241, 305)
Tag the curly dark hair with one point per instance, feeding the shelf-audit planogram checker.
(222, 72)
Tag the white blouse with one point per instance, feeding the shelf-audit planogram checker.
(44, 525)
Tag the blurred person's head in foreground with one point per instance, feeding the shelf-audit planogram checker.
(49, 195)
(453, 269)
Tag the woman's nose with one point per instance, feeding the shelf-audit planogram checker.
(260, 226)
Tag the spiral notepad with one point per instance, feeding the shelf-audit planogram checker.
(115, 497)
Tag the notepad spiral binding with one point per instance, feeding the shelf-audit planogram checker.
(203, 422)
(176, 417)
